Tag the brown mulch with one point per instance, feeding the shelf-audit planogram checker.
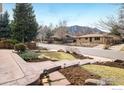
(40, 60)
(80, 56)
(77, 75)
(117, 63)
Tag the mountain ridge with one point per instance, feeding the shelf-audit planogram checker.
(83, 30)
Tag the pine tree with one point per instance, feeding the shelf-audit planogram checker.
(24, 25)
(4, 25)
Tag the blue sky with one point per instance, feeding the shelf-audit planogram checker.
(75, 14)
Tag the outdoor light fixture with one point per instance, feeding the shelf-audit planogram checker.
(45, 72)
(46, 78)
(64, 65)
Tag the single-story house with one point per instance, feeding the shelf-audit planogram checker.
(67, 39)
(97, 39)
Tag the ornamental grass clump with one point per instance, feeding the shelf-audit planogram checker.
(29, 55)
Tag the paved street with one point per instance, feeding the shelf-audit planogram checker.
(111, 54)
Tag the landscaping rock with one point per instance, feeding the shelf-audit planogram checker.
(94, 82)
(60, 50)
(68, 52)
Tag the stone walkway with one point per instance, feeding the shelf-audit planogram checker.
(57, 79)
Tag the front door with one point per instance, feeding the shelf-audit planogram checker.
(90, 39)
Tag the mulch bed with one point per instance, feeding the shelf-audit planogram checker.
(77, 75)
(117, 63)
(80, 56)
(40, 60)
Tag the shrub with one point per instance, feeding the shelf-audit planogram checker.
(9, 43)
(20, 47)
(29, 55)
(61, 50)
(12, 41)
(1, 44)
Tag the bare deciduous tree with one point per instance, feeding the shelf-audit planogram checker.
(45, 32)
(61, 29)
(114, 25)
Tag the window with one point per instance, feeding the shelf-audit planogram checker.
(86, 38)
(97, 38)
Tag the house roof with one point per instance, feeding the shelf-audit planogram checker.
(94, 35)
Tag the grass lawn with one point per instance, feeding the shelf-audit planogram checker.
(53, 55)
(115, 75)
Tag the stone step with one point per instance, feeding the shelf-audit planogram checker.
(56, 76)
(57, 79)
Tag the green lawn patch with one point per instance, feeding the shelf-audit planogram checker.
(115, 75)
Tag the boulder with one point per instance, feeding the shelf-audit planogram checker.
(68, 52)
(94, 82)
(61, 50)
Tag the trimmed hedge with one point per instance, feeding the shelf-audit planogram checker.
(8, 43)
(20, 47)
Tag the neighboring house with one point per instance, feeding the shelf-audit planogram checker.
(67, 39)
(97, 39)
